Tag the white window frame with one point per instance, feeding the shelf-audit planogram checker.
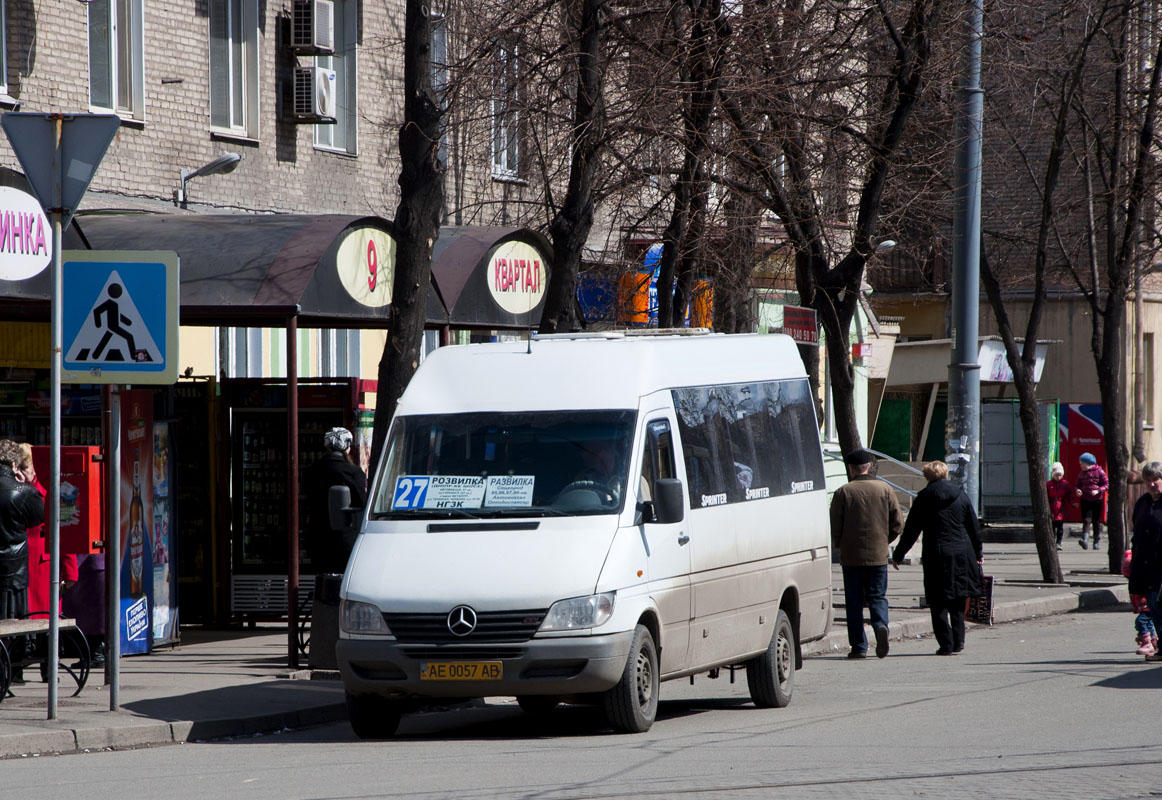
(234, 69)
(342, 137)
(126, 53)
(505, 139)
(4, 48)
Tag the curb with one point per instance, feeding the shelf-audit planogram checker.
(917, 626)
(79, 740)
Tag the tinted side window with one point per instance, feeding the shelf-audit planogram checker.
(748, 441)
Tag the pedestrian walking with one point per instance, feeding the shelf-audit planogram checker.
(21, 508)
(953, 553)
(1060, 494)
(1091, 487)
(1146, 546)
(865, 519)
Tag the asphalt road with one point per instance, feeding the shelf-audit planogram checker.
(1059, 707)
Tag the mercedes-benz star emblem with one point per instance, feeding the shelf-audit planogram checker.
(461, 621)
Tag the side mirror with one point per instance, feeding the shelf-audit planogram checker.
(669, 505)
(340, 514)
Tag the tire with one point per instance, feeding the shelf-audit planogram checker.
(538, 705)
(373, 717)
(631, 705)
(771, 674)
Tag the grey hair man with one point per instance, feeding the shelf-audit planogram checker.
(865, 518)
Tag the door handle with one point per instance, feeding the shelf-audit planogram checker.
(683, 539)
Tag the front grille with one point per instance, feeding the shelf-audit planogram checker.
(453, 653)
(491, 626)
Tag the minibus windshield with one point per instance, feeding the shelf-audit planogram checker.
(489, 465)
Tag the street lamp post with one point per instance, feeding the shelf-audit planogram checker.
(963, 427)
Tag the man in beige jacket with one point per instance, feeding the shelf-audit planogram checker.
(865, 517)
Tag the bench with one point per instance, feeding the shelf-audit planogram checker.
(74, 657)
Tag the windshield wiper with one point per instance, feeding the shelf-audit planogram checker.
(529, 511)
(426, 513)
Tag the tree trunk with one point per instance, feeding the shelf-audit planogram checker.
(570, 226)
(417, 223)
(1109, 370)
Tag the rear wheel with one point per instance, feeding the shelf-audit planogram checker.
(771, 674)
(631, 705)
(373, 717)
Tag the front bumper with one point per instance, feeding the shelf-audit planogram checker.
(554, 666)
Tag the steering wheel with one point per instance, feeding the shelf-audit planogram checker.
(593, 486)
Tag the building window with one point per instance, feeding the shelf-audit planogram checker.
(116, 57)
(341, 135)
(505, 118)
(4, 48)
(1148, 377)
(234, 67)
(439, 67)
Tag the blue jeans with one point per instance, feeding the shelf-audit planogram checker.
(1155, 604)
(864, 586)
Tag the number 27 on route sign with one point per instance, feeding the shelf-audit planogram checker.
(119, 316)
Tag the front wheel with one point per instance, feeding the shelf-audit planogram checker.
(771, 674)
(631, 705)
(373, 717)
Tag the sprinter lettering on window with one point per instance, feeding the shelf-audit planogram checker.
(748, 441)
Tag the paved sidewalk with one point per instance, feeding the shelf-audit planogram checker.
(220, 684)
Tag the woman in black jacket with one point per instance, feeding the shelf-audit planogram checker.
(952, 553)
(1146, 561)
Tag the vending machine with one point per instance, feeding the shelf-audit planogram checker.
(83, 518)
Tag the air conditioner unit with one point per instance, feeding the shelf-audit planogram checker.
(314, 95)
(313, 27)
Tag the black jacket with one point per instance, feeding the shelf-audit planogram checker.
(1146, 563)
(327, 548)
(952, 546)
(20, 509)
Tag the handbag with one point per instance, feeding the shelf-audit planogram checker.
(980, 608)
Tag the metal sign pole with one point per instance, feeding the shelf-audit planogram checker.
(54, 479)
(113, 554)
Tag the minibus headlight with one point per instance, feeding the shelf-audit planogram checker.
(361, 618)
(579, 612)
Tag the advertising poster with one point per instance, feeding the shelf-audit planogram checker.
(165, 606)
(1081, 430)
(136, 568)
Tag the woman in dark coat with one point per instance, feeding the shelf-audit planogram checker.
(952, 553)
(1146, 561)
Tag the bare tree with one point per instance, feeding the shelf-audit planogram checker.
(836, 81)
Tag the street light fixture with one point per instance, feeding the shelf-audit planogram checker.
(223, 164)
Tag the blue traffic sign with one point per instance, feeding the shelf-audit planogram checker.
(119, 316)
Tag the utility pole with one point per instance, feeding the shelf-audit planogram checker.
(963, 426)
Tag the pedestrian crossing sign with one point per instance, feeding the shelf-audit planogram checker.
(119, 313)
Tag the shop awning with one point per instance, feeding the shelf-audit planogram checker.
(330, 271)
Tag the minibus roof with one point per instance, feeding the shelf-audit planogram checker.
(591, 370)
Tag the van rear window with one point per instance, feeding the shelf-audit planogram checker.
(748, 441)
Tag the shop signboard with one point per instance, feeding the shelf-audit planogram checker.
(517, 277)
(120, 316)
(25, 236)
(799, 323)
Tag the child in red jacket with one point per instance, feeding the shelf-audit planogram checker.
(1143, 622)
(1091, 487)
(1060, 495)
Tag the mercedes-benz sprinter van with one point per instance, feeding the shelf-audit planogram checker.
(581, 517)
